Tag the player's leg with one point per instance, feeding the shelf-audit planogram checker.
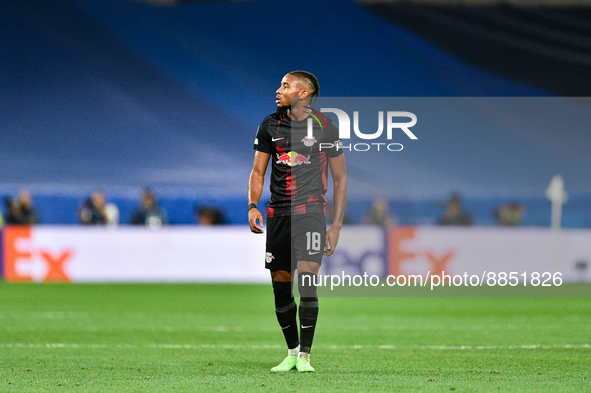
(308, 311)
(278, 260)
(286, 312)
(309, 245)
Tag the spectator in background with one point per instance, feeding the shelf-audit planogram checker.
(454, 215)
(209, 216)
(112, 214)
(93, 211)
(510, 214)
(21, 211)
(149, 213)
(379, 214)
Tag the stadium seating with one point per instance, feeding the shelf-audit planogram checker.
(120, 95)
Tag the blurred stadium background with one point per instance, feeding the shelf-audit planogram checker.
(121, 95)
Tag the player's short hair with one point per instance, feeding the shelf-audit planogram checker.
(310, 79)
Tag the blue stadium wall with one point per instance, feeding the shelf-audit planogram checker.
(120, 95)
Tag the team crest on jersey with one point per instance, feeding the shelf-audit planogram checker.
(309, 141)
(293, 158)
(269, 257)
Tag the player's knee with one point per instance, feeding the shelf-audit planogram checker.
(307, 286)
(281, 275)
(308, 266)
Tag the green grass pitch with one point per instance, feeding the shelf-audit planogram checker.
(154, 338)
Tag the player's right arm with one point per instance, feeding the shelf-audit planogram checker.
(255, 189)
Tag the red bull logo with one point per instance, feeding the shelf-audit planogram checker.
(292, 159)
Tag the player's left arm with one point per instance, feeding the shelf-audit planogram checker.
(255, 189)
(339, 176)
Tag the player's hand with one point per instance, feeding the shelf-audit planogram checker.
(255, 215)
(331, 239)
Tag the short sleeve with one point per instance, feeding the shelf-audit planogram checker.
(262, 141)
(333, 137)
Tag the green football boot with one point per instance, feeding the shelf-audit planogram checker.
(287, 364)
(303, 366)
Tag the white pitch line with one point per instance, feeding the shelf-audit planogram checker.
(277, 346)
(536, 346)
(214, 346)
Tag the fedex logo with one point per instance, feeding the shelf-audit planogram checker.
(25, 262)
(405, 257)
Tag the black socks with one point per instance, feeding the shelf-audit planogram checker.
(308, 311)
(286, 310)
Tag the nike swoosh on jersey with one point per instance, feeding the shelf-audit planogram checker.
(276, 139)
(313, 253)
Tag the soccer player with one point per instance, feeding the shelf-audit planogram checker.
(301, 143)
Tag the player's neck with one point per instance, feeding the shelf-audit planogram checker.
(298, 113)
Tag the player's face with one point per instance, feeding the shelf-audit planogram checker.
(290, 89)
